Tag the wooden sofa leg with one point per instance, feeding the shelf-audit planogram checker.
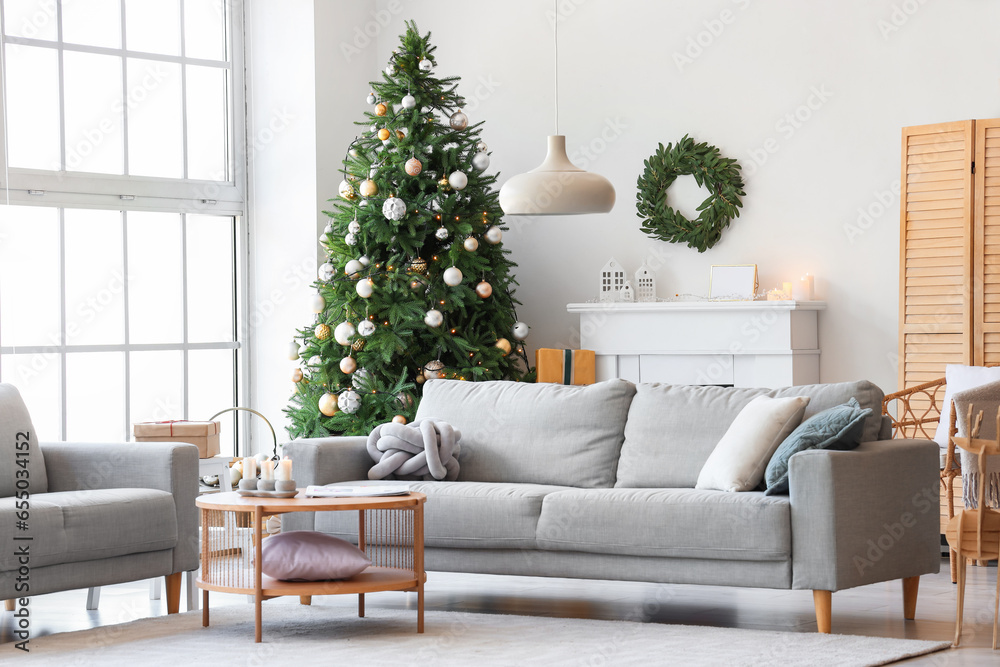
(823, 601)
(9, 604)
(173, 586)
(910, 587)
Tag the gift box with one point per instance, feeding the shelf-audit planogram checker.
(205, 435)
(565, 366)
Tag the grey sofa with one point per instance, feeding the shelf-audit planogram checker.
(597, 482)
(80, 515)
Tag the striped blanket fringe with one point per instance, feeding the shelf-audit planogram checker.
(970, 481)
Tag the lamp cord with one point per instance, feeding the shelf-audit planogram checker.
(555, 8)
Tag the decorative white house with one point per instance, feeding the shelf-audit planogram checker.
(626, 294)
(612, 281)
(645, 284)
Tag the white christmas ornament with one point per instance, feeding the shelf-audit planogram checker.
(425, 65)
(346, 190)
(323, 238)
(343, 333)
(328, 229)
(520, 330)
(371, 98)
(353, 268)
(349, 401)
(318, 303)
(481, 161)
(364, 260)
(366, 327)
(458, 180)
(363, 380)
(493, 235)
(482, 147)
(326, 271)
(365, 288)
(351, 239)
(364, 202)
(293, 351)
(433, 318)
(391, 71)
(394, 208)
(347, 365)
(471, 244)
(434, 369)
(453, 276)
(354, 227)
(441, 233)
(409, 101)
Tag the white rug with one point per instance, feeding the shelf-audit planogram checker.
(298, 636)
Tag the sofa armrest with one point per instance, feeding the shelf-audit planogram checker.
(324, 461)
(167, 466)
(866, 515)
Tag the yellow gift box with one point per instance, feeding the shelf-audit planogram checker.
(565, 366)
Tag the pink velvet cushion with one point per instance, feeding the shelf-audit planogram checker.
(306, 555)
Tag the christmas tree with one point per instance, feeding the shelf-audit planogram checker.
(417, 284)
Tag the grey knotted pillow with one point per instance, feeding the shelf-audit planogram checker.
(426, 449)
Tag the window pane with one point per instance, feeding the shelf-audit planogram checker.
(93, 89)
(92, 22)
(95, 397)
(207, 120)
(155, 274)
(36, 376)
(32, 107)
(95, 277)
(29, 276)
(155, 138)
(210, 389)
(154, 27)
(35, 19)
(204, 29)
(210, 278)
(156, 385)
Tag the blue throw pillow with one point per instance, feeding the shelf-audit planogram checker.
(839, 427)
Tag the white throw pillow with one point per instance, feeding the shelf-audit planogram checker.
(959, 378)
(738, 462)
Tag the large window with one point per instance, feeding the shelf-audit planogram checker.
(122, 234)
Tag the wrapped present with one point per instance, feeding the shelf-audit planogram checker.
(565, 366)
(205, 435)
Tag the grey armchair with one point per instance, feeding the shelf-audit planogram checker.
(80, 515)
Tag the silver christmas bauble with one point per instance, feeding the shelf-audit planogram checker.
(365, 288)
(366, 327)
(482, 147)
(293, 351)
(453, 276)
(480, 160)
(434, 369)
(405, 399)
(433, 318)
(326, 271)
(324, 238)
(471, 244)
(354, 226)
(353, 268)
(328, 229)
(425, 65)
(520, 330)
(348, 365)
(371, 98)
(363, 380)
(409, 101)
(458, 180)
(349, 401)
(458, 121)
(390, 69)
(441, 234)
(343, 332)
(318, 303)
(394, 208)
(350, 239)
(493, 235)
(364, 260)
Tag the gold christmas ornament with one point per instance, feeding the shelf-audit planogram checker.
(380, 109)
(413, 166)
(443, 184)
(417, 266)
(348, 365)
(346, 190)
(504, 346)
(297, 375)
(368, 188)
(322, 331)
(484, 290)
(383, 134)
(471, 244)
(399, 419)
(420, 378)
(328, 404)
(400, 134)
(359, 344)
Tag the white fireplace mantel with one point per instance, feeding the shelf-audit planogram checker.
(739, 343)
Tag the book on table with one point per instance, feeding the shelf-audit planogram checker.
(334, 491)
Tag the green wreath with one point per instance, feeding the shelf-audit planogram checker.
(721, 175)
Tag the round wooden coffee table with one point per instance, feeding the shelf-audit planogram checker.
(390, 530)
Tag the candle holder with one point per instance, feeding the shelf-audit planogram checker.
(248, 484)
(265, 485)
(284, 485)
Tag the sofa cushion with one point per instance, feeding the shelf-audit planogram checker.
(533, 433)
(22, 459)
(678, 523)
(672, 430)
(308, 555)
(75, 526)
(464, 515)
(825, 396)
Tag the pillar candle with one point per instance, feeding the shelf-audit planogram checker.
(786, 287)
(809, 286)
(267, 469)
(284, 469)
(249, 468)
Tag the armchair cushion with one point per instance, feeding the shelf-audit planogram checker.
(19, 446)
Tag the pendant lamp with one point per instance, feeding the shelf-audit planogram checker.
(557, 186)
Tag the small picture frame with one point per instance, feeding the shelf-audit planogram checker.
(733, 282)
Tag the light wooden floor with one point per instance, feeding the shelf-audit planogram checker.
(870, 610)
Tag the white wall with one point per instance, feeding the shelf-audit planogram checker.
(618, 78)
